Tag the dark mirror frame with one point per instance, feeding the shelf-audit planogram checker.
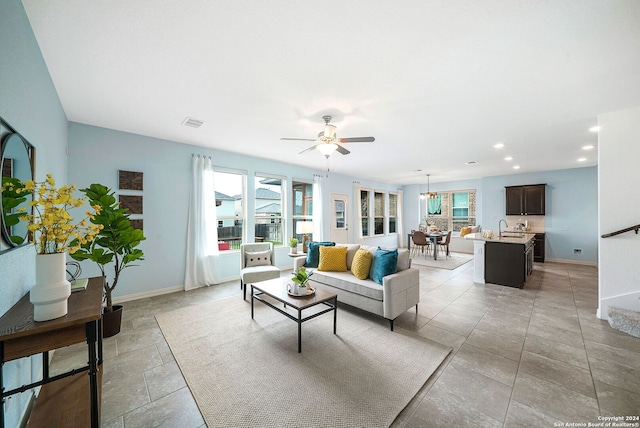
(18, 158)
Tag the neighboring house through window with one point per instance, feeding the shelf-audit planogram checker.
(393, 213)
(269, 222)
(229, 194)
(364, 210)
(452, 210)
(378, 222)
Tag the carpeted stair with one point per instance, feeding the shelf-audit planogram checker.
(624, 320)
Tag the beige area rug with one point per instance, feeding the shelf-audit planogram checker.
(248, 373)
(453, 261)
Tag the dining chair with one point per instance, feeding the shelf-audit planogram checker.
(444, 242)
(420, 240)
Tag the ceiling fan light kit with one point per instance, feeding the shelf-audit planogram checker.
(327, 148)
(327, 141)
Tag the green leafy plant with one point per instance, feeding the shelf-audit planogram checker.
(12, 197)
(116, 242)
(293, 242)
(302, 276)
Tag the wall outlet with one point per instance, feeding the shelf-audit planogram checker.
(577, 251)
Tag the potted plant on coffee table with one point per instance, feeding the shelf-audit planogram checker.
(115, 243)
(300, 279)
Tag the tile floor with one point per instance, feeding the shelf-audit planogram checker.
(530, 357)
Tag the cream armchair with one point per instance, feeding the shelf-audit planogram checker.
(257, 263)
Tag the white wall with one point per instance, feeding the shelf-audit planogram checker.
(619, 208)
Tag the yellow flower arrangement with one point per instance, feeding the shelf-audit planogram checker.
(51, 224)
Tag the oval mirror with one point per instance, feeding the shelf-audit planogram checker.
(16, 167)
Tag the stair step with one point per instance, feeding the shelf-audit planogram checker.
(624, 320)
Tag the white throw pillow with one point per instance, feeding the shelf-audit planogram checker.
(258, 258)
(404, 260)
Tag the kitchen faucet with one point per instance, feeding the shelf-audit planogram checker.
(500, 229)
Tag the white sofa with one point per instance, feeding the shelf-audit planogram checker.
(398, 292)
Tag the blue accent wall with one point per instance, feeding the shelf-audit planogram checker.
(95, 156)
(30, 104)
(571, 219)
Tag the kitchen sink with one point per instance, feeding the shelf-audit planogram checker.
(513, 234)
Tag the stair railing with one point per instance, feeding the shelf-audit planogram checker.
(618, 232)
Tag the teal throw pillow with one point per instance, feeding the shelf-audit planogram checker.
(313, 252)
(383, 264)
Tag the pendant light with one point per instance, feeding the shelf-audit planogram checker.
(429, 194)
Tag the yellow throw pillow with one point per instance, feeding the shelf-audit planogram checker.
(333, 259)
(465, 231)
(361, 264)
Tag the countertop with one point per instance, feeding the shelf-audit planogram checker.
(507, 237)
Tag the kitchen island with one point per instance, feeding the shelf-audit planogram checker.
(505, 260)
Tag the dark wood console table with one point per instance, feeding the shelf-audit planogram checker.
(70, 399)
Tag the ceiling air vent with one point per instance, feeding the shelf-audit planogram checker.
(194, 123)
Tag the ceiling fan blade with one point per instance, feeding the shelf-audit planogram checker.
(357, 140)
(299, 139)
(342, 150)
(307, 150)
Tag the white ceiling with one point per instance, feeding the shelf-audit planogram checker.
(437, 83)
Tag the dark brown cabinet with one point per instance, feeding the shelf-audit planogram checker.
(525, 200)
(505, 264)
(538, 252)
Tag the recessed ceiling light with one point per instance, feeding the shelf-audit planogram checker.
(582, 159)
(508, 158)
(471, 162)
(498, 145)
(588, 147)
(594, 129)
(516, 167)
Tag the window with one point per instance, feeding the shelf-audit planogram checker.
(460, 207)
(229, 194)
(269, 220)
(393, 213)
(302, 204)
(364, 210)
(452, 210)
(339, 214)
(378, 221)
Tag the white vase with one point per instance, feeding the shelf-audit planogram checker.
(50, 293)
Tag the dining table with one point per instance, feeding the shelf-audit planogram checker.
(433, 236)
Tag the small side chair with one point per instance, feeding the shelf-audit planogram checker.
(257, 263)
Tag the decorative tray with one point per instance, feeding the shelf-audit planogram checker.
(310, 291)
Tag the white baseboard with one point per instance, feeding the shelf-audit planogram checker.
(147, 294)
(630, 301)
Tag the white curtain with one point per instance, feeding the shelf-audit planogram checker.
(357, 213)
(202, 232)
(318, 207)
(400, 220)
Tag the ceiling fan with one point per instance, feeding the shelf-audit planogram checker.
(327, 141)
